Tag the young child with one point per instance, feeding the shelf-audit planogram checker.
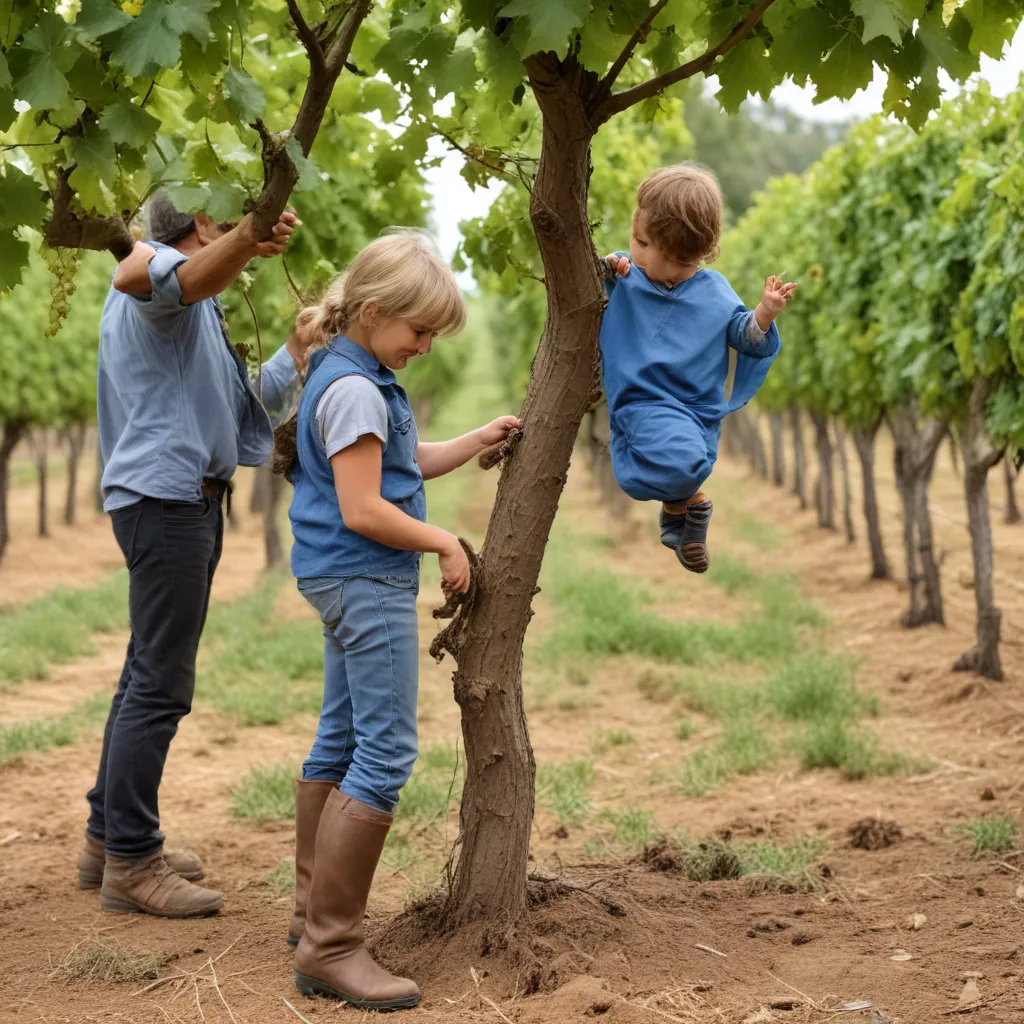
(664, 352)
(358, 516)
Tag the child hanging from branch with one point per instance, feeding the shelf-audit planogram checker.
(665, 342)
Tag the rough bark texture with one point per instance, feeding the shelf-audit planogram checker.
(844, 469)
(598, 433)
(490, 878)
(272, 486)
(917, 443)
(13, 432)
(40, 449)
(778, 455)
(864, 442)
(980, 455)
(824, 490)
(1012, 514)
(74, 438)
(799, 458)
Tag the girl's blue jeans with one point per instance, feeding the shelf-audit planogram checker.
(367, 731)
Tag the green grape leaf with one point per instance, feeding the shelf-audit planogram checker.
(457, 71)
(96, 172)
(42, 85)
(99, 17)
(599, 45)
(992, 25)
(798, 49)
(22, 200)
(845, 70)
(189, 16)
(244, 95)
(13, 260)
(309, 174)
(5, 72)
(881, 18)
(550, 21)
(746, 70)
(189, 197)
(147, 44)
(226, 201)
(128, 124)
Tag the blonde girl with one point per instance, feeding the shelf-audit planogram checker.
(359, 520)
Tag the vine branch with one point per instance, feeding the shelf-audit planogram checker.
(620, 101)
(314, 50)
(606, 83)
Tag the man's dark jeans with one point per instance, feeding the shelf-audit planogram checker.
(171, 549)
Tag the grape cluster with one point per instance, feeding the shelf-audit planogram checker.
(63, 264)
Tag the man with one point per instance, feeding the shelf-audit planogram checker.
(177, 415)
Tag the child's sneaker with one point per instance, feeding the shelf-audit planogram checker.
(672, 528)
(692, 549)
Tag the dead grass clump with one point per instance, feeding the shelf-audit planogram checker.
(874, 834)
(107, 962)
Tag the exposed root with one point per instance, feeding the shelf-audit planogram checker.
(457, 608)
(495, 456)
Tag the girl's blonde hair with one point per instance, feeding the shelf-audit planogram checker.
(400, 272)
(680, 207)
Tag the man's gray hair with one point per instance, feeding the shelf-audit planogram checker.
(165, 223)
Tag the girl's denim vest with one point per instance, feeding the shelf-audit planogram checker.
(324, 545)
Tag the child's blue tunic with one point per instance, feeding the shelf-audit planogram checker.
(664, 364)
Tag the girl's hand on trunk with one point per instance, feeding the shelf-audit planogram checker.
(496, 432)
(455, 574)
(617, 264)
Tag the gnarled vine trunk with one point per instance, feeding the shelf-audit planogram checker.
(844, 469)
(13, 432)
(864, 442)
(778, 456)
(799, 458)
(980, 455)
(1011, 516)
(39, 442)
(490, 877)
(917, 443)
(757, 443)
(267, 489)
(824, 490)
(74, 438)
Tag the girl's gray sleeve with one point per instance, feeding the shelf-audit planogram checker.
(349, 409)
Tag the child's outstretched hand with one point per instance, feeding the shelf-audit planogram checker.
(497, 431)
(618, 264)
(777, 295)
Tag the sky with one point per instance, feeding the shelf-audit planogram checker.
(454, 200)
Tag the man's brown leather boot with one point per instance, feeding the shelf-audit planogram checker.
(310, 797)
(332, 959)
(92, 859)
(149, 886)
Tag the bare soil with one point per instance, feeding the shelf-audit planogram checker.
(638, 945)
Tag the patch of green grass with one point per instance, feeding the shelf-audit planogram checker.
(40, 734)
(771, 865)
(58, 626)
(255, 667)
(743, 749)
(563, 789)
(813, 687)
(573, 702)
(265, 794)
(606, 739)
(634, 828)
(282, 878)
(733, 575)
(835, 742)
(990, 835)
(684, 729)
(758, 532)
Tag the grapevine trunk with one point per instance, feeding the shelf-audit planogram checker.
(778, 455)
(14, 431)
(490, 878)
(980, 455)
(844, 470)
(864, 442)
(825, 487)
(1012, 514)
(75, 439)
(799, 458)
(917, 442)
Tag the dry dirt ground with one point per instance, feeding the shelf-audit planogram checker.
(638, 945)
